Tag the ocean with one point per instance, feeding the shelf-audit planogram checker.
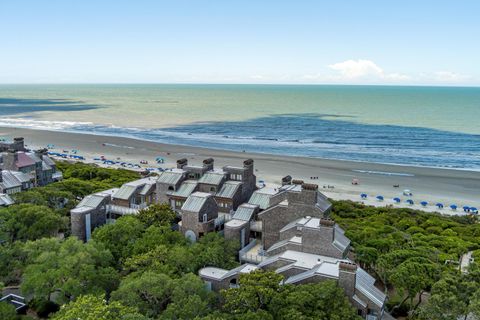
(421, 126)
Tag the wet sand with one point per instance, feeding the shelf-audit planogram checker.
(427, 184)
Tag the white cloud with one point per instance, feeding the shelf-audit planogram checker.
(365, 70)
(449, 77)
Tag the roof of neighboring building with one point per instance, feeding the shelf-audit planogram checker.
(262, 197)
(48, 160)
(22, 177)
(340, 240)
(229, 189)
(125, 192)
(365, 283)
(170, 177)
(218, 273)
(196, 201)
(45, 166)
(5, 200)
(245, 212)
(92, 201)
(33, 156)
(185, 189)
(213, 178)
(9, 180)
(24, 160)
(128, 189)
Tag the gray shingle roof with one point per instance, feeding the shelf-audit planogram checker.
(9, 180)
(196, 201)
(365, 284)
(48, 161)
(229, 189)
(244, 212)
(170, 177)
(261, 199)
(340, 240)
(5, 200)
(22, 177)
(186, 189)
(91, 201)
(125, 192)
(212, 178)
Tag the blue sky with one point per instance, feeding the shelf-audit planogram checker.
(352, 42)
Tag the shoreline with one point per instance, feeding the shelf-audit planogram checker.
(431, 184)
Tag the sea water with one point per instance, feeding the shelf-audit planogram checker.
(424, 126)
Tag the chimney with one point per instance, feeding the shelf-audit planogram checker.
(1, 175)
(182, 163)
(286, 180)
(19, 144)
(10, 159)
(327, 222)
(208, 164)
(347, 274)
(310, 186)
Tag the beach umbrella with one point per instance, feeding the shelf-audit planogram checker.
(466, 208)
(473, 209)
(397, 200)
(439, 205)
(363, 195)
(380, 198)
(424, 203)
(409, 201)
(453, 206)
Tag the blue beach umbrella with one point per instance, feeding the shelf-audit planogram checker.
(409, 201)
(397, 200)
(466, 208)
(380, 198)
(439, 205)
(473, 209)
(363, 195)
(453, 206)
(424, 203)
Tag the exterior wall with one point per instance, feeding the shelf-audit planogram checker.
(234, 233)
(320, 241)
(209, 188)
(121, 202)
(162, 189)
(300, 204)
(293, 271)
(347, 277)
(98, 217)
(194, 220)
(288, 246)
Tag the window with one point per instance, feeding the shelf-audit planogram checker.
(178, 203)
(171, 188)
(205, 218)
(212, 189)
(237, 177)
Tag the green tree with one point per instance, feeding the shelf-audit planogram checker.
(7, 311)
(323, 300)
(149, 292)
(120, 236)
(70, 270)
(29, 222)
(157, 215)
(414, 276)
(90, 307)
(256, 291)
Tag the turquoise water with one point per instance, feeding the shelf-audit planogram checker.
(429, 126)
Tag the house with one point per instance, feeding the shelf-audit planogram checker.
(90, 213)
(287, 230)
(230, 185)
(35, 164)
(198, 215)
(18, 144)
(135, 195)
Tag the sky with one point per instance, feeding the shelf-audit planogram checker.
(250, 41)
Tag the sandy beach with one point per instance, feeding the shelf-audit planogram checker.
(427, 184)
